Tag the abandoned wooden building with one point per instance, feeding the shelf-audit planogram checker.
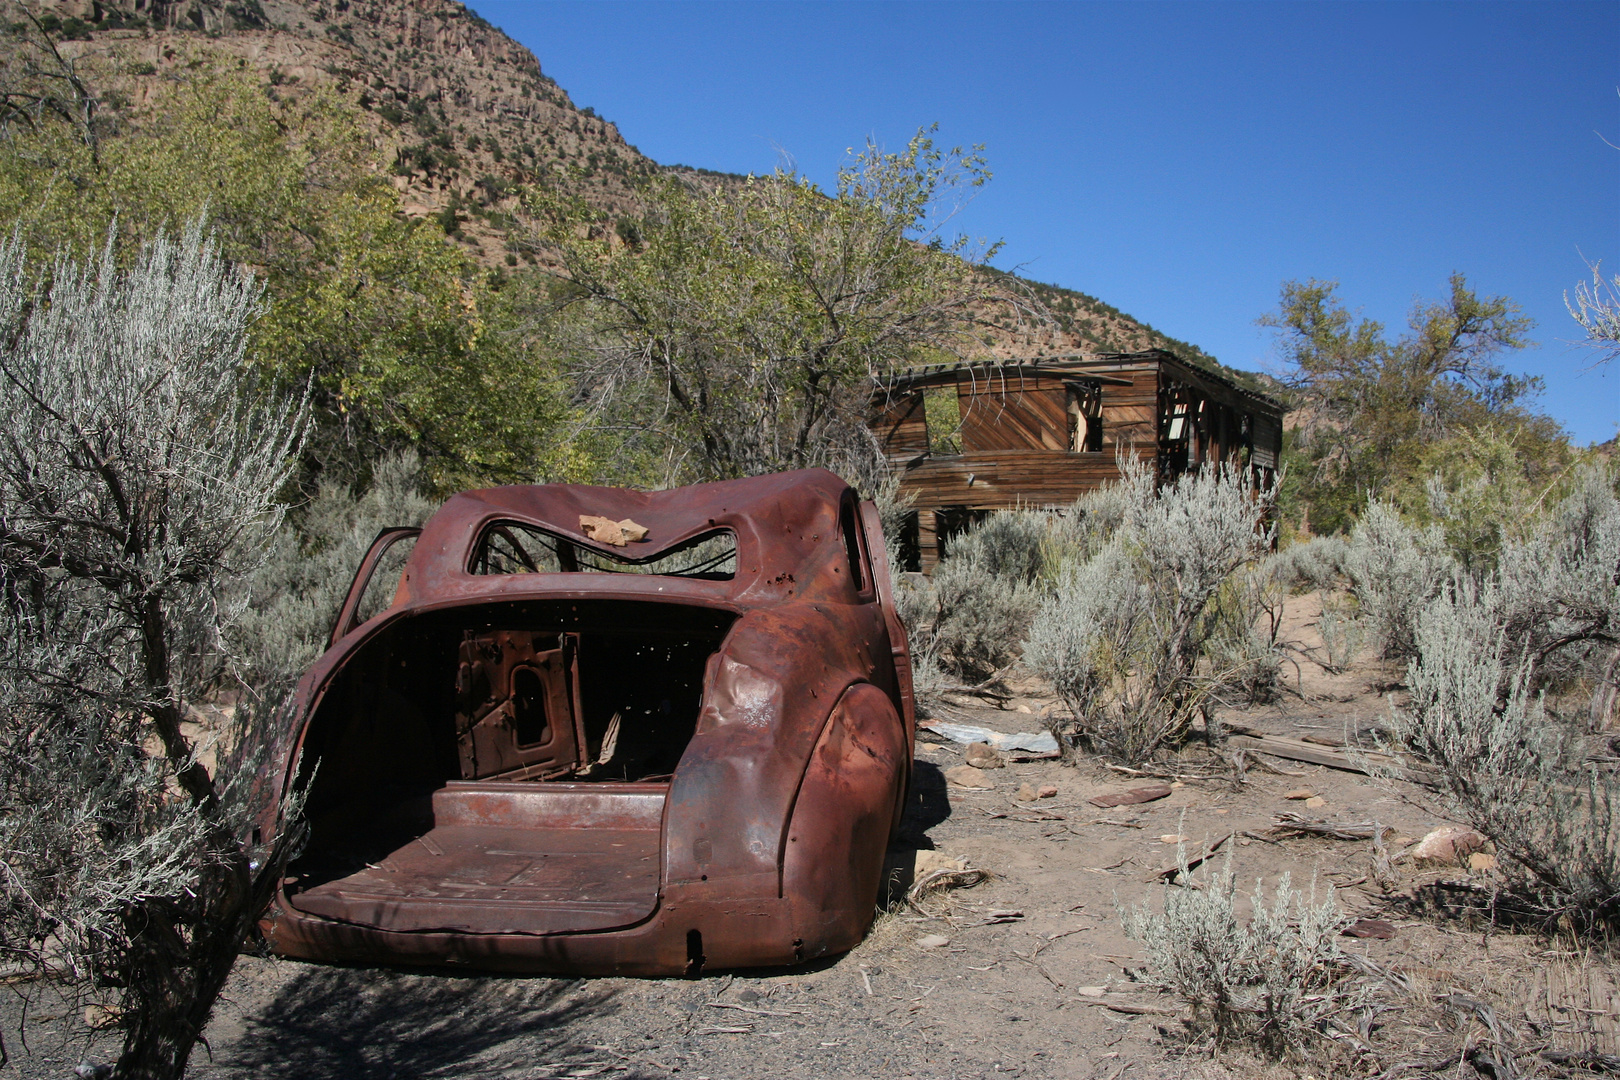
(974, 437)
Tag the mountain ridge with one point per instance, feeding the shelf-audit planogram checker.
(462, 116)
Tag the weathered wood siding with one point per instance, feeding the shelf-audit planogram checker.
(1268, 433)
(1013, 413)
(1003, 479)
(1130, 414)
(901, 428)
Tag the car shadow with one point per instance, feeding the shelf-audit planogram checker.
(361, 1023)
(927, 804)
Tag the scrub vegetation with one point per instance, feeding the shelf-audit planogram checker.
(249, 316)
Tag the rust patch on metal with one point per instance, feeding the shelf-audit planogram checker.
(558, 753)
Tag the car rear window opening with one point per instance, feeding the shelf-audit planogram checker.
(510, 547)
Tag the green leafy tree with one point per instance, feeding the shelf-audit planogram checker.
(1484, 486)
(402, 339)
(1370, 406)
(735, 328)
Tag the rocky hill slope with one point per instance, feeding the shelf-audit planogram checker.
(461, 117)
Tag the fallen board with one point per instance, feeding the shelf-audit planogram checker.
(1295, 750)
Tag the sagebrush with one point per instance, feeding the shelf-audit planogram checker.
(1258, 979)
(1126, 637)
(138, 468)
(1511, 685)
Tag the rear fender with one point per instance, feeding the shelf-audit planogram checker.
(842, 821)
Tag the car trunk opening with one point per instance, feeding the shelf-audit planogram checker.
(502, 769)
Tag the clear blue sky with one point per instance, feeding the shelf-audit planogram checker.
(1179, 161)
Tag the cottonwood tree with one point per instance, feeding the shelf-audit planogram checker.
(138, 469)
(1370, 405)
(404, 341)
(735, 329)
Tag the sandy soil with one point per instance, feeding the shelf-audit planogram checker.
(1014, 992)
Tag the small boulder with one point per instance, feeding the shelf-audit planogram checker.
(1481, 861)
(1449, 845)
(1315, 801)
(1026, 793)
(983, 756)
(966, 776)
(1046, 791)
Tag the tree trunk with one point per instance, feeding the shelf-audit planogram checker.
(178, 960)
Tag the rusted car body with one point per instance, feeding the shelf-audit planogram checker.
(548, 753)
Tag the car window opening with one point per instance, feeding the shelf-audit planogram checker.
(849, 525)
(510, 547)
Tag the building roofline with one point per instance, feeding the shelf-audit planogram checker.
(1067, 362)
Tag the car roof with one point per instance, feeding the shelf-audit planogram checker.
(786, 525)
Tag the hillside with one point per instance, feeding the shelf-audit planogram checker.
(461, 117)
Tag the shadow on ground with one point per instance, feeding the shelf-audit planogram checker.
(359, 1024)
(927, 804)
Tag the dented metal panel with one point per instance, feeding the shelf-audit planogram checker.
(571, 755)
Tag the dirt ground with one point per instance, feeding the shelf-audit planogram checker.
(1027, 982)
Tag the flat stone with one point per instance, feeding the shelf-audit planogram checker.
(1315, 801)
(1300, 793)
(933, 941)
(1091, 991)
(983, 756)
(1046, 791)
(1379, 929)
(966, 776)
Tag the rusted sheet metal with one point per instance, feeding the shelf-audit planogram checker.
(569, 771)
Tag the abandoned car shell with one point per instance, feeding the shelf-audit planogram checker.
(559, 748)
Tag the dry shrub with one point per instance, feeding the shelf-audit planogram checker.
(969, 618)
(294, 596)
(1512, 768)
(1343, 633)
(138, 471)
(1515, 764)
(1126, 638)
(1262, 980)
(1558, 590)
(1394, 569)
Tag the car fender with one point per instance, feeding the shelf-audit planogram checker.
(842, 821)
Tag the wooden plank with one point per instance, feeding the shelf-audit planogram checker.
(1267, 441)
(901, 428)
(1008, 478)
(927, 541)
(1034, 419)
(1295, 750)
